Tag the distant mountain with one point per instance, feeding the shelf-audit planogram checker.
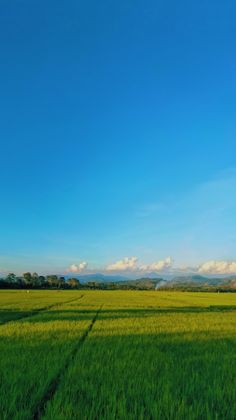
(154, 275)
(189, 279)
(152, 282)
(97, 277)
(120, 281)
(142, 283)
(200, 282)
(202, 279)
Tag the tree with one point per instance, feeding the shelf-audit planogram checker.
(19, 281)
(74, 283)
(11, 278)
(61, 282)
(27, 279)
(53, 280)
(91, 284)
(41, 280)
(35, 280)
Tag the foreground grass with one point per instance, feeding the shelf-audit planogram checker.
(149, 355)
(33, 350)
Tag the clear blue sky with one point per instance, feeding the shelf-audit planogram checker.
(117, 133)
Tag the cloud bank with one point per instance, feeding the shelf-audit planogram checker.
(77, 268)
(128, 263)
(217, 267)
(212, 267)
(131, 264)
(158, 265)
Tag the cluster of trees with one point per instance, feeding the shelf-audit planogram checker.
(34, 281)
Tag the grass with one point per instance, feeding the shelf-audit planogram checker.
(117, 355)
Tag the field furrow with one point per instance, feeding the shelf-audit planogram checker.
(34, 350)
(152, 364)
(40, 408)
(7, 315)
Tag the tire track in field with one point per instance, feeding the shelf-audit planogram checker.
(40, 310)
(51, 390)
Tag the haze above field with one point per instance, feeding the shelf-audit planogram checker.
(118, 138)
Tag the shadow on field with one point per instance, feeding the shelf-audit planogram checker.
(153, 376)
(149, 376)
(86, 314)
(12, 315)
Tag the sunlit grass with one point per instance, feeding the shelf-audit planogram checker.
(149, 355)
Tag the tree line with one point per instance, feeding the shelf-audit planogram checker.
(34, 281)
(52, 281)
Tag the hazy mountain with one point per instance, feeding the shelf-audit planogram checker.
(142, 283)
(200, 282)
(190, 278)
(97, 277)
(152, 281)
(202, 279)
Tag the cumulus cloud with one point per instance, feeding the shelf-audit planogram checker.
(77, 268)
(212, 267)
(158, 265)
(218, 267)
(128, 263)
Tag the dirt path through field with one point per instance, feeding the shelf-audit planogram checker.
(40, 409)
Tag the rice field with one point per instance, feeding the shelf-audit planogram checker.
(117, 355)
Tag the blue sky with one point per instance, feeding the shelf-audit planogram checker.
(118, 136)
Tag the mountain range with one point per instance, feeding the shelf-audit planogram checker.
(151, 282)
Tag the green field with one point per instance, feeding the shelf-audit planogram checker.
(117, 355)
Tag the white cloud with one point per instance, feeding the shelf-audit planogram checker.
(218, 267)
(77, 268)
(158, 265)
(128, 263)
(213, 267)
